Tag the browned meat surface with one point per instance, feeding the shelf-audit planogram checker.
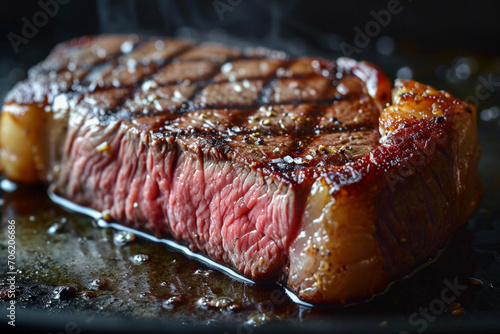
(281, 168)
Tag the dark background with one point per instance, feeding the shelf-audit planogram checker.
(426, 29)
(422, 26)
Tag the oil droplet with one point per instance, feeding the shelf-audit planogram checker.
(55, 228)
(159, 44)
(455, 309)
(226, 67)
(123, 237)
(99, 284)
(106, 215)
(476, 282)
(149, 84)
(139, 258)
(126, 47)
(214, 302)
(170, 303)
(258, 319)
(64, 292)
(383, 323)
(237, 88)
(202, 272)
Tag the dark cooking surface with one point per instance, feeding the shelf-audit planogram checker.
(74, 273)
(100, 277)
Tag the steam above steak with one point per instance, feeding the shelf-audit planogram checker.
(281, 168)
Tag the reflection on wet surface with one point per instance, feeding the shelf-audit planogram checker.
(67, 263)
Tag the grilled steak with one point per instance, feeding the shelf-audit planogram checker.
(287, 169)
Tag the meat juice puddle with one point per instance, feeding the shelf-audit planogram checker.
(114, 269)
(223, 291)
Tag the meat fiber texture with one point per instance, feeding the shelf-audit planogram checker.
(302, 170)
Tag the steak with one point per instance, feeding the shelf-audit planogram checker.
(306, 170)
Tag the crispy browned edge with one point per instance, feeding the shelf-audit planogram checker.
(427, 133)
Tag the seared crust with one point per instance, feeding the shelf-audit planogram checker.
(396, 206)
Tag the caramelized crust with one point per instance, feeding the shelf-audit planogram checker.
(372, 221)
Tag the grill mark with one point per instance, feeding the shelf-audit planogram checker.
(136, 46)
(190, 103)
(192, 108)
(137, 85)
(303, 142)
(302, 136)
(274, 77)
(201, 85)
(266, 91)
(94, 69)
(264, 95)
(173, 57)
(241, 119)
(112, 113)
(228, 60)
(115, 61)
(207, 82)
